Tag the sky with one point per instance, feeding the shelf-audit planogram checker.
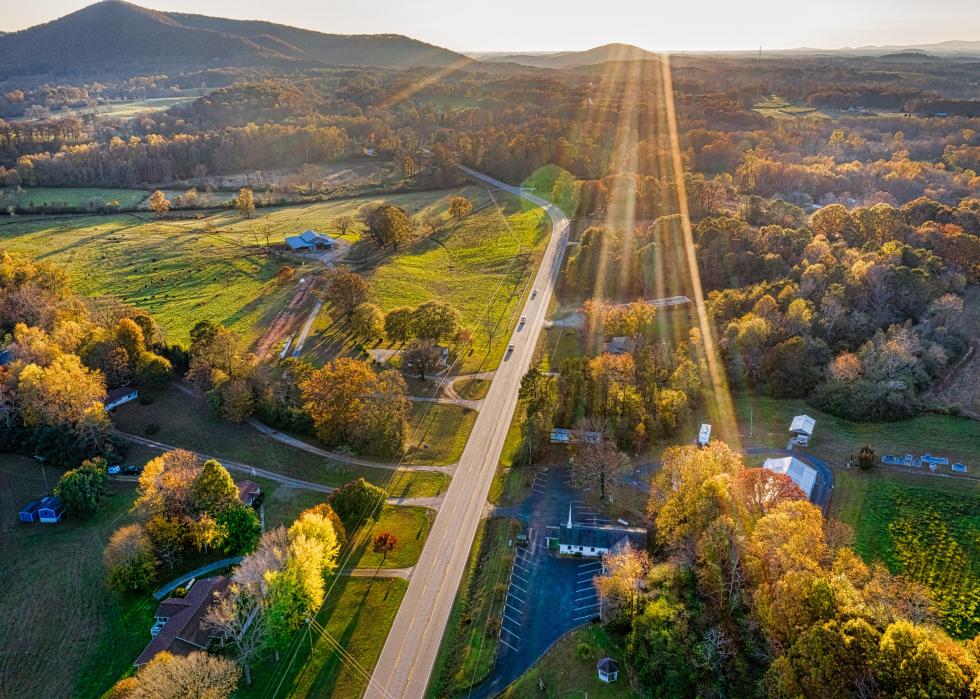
(549, 25)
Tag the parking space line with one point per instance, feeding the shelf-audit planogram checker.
(513, 584)
(520, 578)
(511, 633)
(592, 596)
(508, 645)
(508, 604)
(511, 620)
(580, 618)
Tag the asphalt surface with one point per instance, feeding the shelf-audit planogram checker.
(412, 645)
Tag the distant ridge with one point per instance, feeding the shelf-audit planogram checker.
(121, 38)
(572, 59)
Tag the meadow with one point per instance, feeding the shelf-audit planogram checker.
(72, 197)
(439, 433)
(55, 573)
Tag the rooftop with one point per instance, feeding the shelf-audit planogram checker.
(801, 474)
(184, 632)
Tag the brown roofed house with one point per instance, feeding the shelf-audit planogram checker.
(180, 621)
(248, 491)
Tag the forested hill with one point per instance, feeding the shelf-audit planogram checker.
(570, 59)
(118, 38)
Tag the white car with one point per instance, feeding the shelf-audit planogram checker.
(510, 348)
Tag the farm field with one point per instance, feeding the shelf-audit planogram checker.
(566, 673)
(127, 109)
(923, 528)
(358, 613)
(55, 572)
(185, 421)
(778, 108)
(75, 197)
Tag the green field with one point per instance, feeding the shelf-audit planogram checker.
(480, 265)
(358, 614)
(74, 197)
(923, 528)
(186, 421)
(567, 674)
(409, 524)
(63, 630)
(778, 108)
(439, 434)
(470, 642)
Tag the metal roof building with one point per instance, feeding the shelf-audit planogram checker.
(801, 474)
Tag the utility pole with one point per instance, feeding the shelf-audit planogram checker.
(750, 422)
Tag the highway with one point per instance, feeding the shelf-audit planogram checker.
(410, 651)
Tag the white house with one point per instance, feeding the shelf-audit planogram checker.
(802, 429)
(801, 474)
(119, 396)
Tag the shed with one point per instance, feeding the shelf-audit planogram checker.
(6, 356)
(801, 474)
(704, 436)
(28, 513)
(608, 670)
(310, 240)
(120, 396)
(802, 427)
(50, 510)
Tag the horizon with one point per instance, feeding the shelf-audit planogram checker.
(576, 29)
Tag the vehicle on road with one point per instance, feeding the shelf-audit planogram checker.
(523, 320)
(113, 470)
(132, 470)
(510, 348)
(534, 292)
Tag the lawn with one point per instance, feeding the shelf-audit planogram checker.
(923, 528)
(439, 433)
(568, 669)
(357, 614)
(410, 525)
(481, 265)
(542, 183)
(473, 389)
(186, 421)
(75, 197)
(64, 632)
(469, 644)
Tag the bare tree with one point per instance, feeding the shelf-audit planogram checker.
(237, 617)
(597, 457)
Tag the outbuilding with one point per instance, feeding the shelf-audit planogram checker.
(248, 492)
(51, 510)
(801, 474)
(595, 541)
(802, 429)
(310, 240)
(28, 513)
(608, 670)
(120, 396)
(704, 436)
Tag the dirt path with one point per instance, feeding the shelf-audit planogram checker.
(288, 318)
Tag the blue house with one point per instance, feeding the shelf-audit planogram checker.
(29, 512)
(51, 510)
(310, 240)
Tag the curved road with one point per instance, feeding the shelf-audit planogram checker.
(413, 642)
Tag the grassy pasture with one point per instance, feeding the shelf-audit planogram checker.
(64, 631)
(186, 421)
(75, 197)
(410, 525)
(441, 434)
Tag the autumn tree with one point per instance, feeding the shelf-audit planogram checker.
(345, 224)
(129, 559)
(620, 584)
(384, 543)
(245, 202)
(198, 674)
(398, 324)
(866, 458)
(389, 226)
(357, 501)
(421, 359)
(346, 290)
(460, 207)
(159, 204)
(367, 321)
(213, 490)
(350, 404)
(435, 320)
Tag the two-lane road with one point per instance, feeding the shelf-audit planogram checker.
(409, 653)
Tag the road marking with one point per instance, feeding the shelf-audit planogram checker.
(513, 584)
(520, 578)
(512, 621)
(508, 645)
(582, 599)
(587, 572)
(583, 565)
(508, 604)
(580, 618)
(511, 633)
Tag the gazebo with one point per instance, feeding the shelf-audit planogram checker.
(608, 670)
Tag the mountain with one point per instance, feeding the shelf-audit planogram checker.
(119, 38)
(571, 59)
